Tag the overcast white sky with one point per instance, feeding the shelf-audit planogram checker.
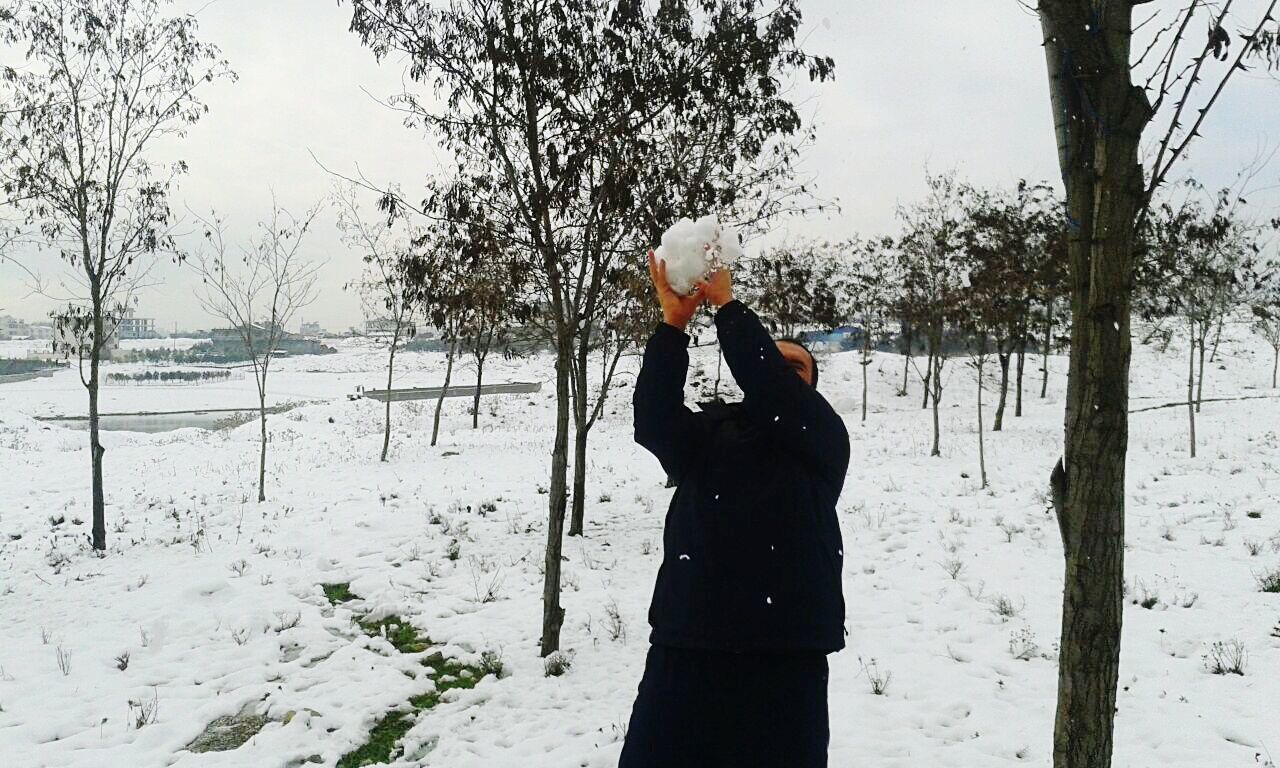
(955, 84)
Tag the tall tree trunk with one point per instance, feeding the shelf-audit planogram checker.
(982, 449)
(1044, 353)
(262, 452)
(1192, 400)
(866, 363)
(1022, 360)
(552, 612)
(96, 451)
(1217, 337)
(391, 364)
(475, 403)
(1004, 387)
(907, 339)
(928, 375)
(578, 510)
(444, 390)
(937, 397)
(1099, 116)
(1204, 331)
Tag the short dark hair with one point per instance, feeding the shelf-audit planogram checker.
(813, 361)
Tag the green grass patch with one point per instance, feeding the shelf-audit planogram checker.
(339, 593)
(398, 632)
(382, 746)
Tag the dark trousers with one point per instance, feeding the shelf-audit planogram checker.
(717, 709)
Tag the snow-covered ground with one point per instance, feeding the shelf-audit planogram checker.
(952, 591)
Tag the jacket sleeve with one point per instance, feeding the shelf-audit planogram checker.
(779, 399)
(663, 424)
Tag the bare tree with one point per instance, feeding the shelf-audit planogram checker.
(106, 81)
(1104, 96)
(258, 288)
(1266, 314)
(931, 254)
(871, 286)
(1198, 268)
(575, 171)
(382, 286)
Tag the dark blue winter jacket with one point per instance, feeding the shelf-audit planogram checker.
(752, 551)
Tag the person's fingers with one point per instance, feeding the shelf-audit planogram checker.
(699, 294)
(664, 285)
(653, 269)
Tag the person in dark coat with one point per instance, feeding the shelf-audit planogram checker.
(748, 599)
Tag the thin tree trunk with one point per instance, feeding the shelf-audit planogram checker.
(1217, 337)
(937, 397)
(1004, 388)
(391, 364)
(982, 450)
(1200, 378)
(475, 404)
(262, 453)
(552, 612)
(1099, 116)
(928, 376)
(1022, 360)
(1192, 401)
(1275, 367)
(866, 363)
(448, 376)
(907, 339)
(578, 500)
(1044, 353)
(96, 451)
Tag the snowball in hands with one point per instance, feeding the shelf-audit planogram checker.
(692, 249)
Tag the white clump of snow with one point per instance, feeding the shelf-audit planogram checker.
(692, 249)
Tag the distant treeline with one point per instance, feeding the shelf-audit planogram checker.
(169, 376)
(10, 366)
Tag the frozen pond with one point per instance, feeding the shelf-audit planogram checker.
(160, 422)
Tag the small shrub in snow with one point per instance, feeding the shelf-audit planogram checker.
(287, 620)
(1269, 580)
(1254, 514)
(487, 507)
(454, 550)
(614, 623)
(1253, 546)
(1009, 529)
(1023, 645)
(143, 713)
(122, 661)
(239, 567)
(879, 680)
(63, 655)
(1004, 607)
(1226, 658)
(953, 567)
(557, 663)
(491, 662)
(646, 547)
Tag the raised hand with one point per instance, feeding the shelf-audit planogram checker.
(677, 310)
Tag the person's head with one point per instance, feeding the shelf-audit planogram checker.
(800, 359)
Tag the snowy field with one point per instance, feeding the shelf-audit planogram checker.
(953, 592)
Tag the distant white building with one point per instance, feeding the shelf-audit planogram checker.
(13, 328)
(384, 327)
(311, 329)
(40, 332)
(133, 327)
